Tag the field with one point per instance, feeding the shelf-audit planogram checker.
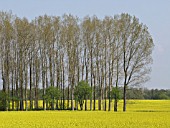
(140, 114)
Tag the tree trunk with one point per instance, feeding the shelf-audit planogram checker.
(94, 95)
(91, 79)
(21, 83)
(72, 94)
(63, 88)
(109, 108)
(12, 93)
(36, 88)
(100, 95)
(124, 98)
(31, 102)
(26, 84)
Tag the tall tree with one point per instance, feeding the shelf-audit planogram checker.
(137, 46)
(6, 38)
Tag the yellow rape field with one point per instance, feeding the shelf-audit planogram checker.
(140, 114)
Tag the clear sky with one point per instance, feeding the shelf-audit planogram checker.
(154, 13)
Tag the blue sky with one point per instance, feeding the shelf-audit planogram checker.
(154, 13)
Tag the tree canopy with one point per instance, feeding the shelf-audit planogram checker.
(82, 92)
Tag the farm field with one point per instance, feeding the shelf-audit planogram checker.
(78, 119)
(140, 114)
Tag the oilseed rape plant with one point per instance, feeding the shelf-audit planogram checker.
(140, 114)
(82, 119)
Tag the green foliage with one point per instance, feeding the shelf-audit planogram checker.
(3, 98)
(115, 93)
(163, 96)
(15, 98)
(82, 92)
(52, 94)
(156, 94)
(135, 93)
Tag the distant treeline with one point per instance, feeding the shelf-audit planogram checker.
(155, 94)
(144, 93)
